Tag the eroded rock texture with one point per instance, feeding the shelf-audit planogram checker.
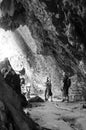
(58, 26)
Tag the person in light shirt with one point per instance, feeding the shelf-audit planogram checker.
(48, 91)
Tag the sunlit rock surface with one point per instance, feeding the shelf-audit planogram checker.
(58, 29)
(21, 50)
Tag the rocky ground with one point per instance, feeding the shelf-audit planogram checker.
(59, 116)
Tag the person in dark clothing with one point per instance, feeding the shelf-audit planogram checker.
(65, 89)
(48, 91)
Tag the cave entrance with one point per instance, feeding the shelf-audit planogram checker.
(12, 55)
(21, 50)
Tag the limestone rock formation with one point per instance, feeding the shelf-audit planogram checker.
(59, 30)
(58, 26)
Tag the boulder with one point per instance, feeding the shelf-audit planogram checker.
(36, 99)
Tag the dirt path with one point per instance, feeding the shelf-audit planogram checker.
(59, 116)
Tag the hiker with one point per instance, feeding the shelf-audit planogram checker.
(28, 87)
(23, 88)
(65, 89)
(48, 91)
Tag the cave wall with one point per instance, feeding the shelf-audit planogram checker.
(57, 27)
(22, 51)
(40, 65)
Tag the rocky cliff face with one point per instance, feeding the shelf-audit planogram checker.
(58, 29)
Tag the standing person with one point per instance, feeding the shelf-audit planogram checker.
(28, 87)
(48, 91)
(65, 89)
(22, 83)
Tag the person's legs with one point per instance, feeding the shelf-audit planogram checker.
(50, 94)
(51, 99)
(46, 95)
(67, 96)
(63, 95)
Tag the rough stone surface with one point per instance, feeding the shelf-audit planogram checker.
(59, 116)
(58, 26)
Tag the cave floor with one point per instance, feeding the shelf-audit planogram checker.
(58, 115)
